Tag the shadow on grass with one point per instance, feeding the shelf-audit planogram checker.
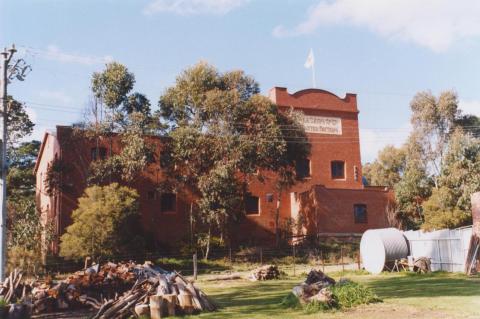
(257, 298)
(243, 299)
(410, 285)
(185, 266)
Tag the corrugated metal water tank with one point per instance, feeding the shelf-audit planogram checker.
(381, 247)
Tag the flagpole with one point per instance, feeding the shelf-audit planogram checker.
(310, 63)
(313, 76)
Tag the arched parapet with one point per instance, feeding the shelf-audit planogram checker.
(314, 99)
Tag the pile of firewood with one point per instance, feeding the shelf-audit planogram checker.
(267, 272)
(158, 296)
(315, 287)
(12, 288)
(422, 265)
(112, 290)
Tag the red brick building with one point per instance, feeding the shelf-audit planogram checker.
(330, 200)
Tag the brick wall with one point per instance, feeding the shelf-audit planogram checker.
(331, 203)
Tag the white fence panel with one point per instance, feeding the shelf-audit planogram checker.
(447, 248)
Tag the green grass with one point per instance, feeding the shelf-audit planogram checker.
(438, 295)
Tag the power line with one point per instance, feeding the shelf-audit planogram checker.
(99, 60)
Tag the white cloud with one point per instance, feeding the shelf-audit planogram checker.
(435, 24)
(55, 54)
(470, 107)
(188, 7)
(373, 140)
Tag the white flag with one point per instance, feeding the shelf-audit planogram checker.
(310, 60)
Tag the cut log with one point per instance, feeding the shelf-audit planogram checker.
(116, 290)
(209, 304)
(163, 287)
(186, 304)
(197, 302)
(170, 302)
(156, 302)
(142, 310)
(267, 272)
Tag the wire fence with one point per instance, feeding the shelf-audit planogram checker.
(344, 256)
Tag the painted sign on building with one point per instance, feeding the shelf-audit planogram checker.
(322, 125)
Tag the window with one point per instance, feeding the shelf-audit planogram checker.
(151, 195)
(168, 203)
(269, 197)
(252, 205)
(360, 213)
(98, 153)
(338, 170)
(302, 168)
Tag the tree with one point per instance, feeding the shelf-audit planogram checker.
(388, 168)
(18, 122)
(439, 214)
(469, 123)
(115, 111)
(103, 224)
(286, 175)
(439, 171)
(221, 133)
(24, 229)
(449, 205)
(433, 120)
(21, 179)
(414, 186)
(24, 225)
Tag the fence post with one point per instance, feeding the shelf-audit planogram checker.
(358, 261)
(341, 256)
(261, 256)
(230, 258)
(322, 260)
(195, 266)
(294, 272)
(439, 255)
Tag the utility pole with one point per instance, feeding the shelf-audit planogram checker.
(7, 57)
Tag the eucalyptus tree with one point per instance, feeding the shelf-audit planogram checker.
(116, 110)
(222, 135)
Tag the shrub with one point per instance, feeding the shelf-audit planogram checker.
(317, 306)
(350, 294)
(30, 261)
(345, 294)
(290, 301)
(105, 223)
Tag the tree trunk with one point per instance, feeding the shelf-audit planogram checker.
(191, 224)
(277, 220)
(207, 251)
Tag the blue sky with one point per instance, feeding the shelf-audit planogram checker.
(385, 51)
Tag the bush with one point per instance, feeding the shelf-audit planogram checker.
(345, 294)
(30, 261)
(4, 307)
(105, 223)
(317, 306)
(350, 294)
(439, 212)
(291, 301)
